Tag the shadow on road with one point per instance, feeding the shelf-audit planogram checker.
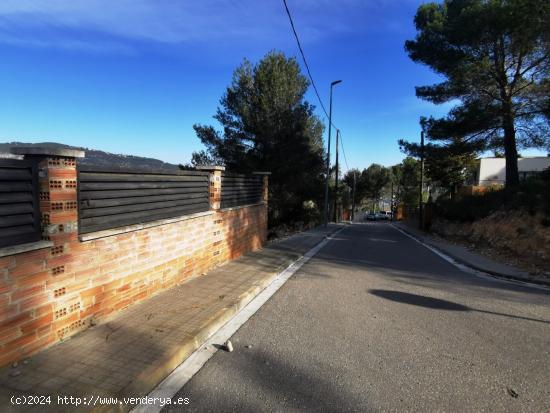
(276, 383)
(383, 251)
(438, 304)
(419, 300)
(299, 388)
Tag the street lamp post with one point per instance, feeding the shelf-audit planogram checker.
(336, 216)
(421, 207)
(328, 151)
(391, 200)
(353, 200)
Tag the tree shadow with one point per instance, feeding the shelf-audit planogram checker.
(276, 256)
(408, 262)
(276, 383)
(419, 300)
(299, 387)
(439, 304)
(103, 361)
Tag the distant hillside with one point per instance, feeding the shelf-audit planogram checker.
(100, 158)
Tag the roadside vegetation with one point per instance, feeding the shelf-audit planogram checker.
(377, 184)
(531, 196)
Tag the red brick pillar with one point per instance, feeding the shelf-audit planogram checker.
(264, 219)
(35, 273)
(216, 187)
(266, 184)
(218, 253)
(215, 184)
(58, 196)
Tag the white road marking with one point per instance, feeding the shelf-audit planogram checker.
(185, 371)
(467, 269)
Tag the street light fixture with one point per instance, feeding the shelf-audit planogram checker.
(328, 150)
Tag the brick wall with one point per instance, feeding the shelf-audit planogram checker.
(48, 294)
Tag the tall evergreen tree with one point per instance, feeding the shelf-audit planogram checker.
(374, 179)
(360, 190)
(269, 126)
(495, 58)
(406, 177)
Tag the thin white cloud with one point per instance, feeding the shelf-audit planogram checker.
(176, 21)
(96, 47)
(163, 21)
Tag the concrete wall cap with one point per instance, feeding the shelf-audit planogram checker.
(42, 151)
(261, 173)
(210, 168)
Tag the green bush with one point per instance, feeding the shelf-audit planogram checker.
(533, 195)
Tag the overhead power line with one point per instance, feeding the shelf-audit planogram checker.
(343, 151)
(312, 81)
(305, 63)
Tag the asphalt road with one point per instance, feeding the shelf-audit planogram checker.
(377, 322)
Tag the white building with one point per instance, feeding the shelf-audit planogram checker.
(4, 155)
(492, 171)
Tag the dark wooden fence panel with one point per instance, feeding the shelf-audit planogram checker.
(238, 190)
(114, 198)
(19, 208)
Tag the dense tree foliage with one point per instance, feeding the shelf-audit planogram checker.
(448, 166)
(374, 179)
(495, 58)
(378, 182)
(349, 178)
(369, 183)
(406, 180)
(269, 126)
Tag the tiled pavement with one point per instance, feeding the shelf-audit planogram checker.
(131, 353)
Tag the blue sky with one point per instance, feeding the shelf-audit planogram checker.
(133, 76)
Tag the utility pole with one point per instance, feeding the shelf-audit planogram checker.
(391, 200)
(328, 151)
(421, 209)
(336, 217)
(353, 200)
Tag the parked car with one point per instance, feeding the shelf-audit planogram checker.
(371, 216)
(378, 216)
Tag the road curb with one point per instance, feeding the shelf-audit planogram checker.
(155, 374)
(460, 260)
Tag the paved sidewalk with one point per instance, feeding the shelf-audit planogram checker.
(130, 354)
(471, 258)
